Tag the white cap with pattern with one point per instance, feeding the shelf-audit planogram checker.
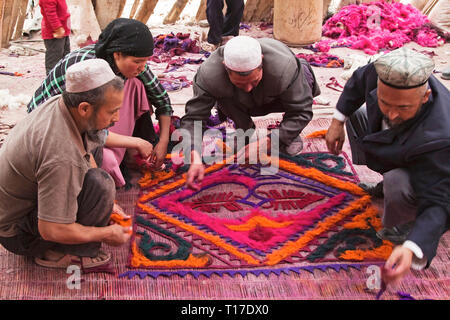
(242, 54)
(87, 75)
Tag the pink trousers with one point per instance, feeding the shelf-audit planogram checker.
(134, 104)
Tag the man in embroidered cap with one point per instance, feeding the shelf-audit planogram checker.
(252, 77)
(402, 132)
(55, 203)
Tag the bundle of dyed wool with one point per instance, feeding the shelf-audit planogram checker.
(170, 45)
(378, 25)
(322, 60)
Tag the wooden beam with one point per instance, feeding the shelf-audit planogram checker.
(121, 7)
(106, 11)
(2, 9)
(134, 8)
(250, 9)
(6, 21)
(12, 23)
(146, 10)
(22, 14)
(201, 12)
(264, 11)
(175, 12)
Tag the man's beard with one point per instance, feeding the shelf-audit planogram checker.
(399, 125)
(92, 125)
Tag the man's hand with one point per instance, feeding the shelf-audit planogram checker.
(398, 265)
(335, 137)
(159, 154)
(117, 235)
(196, 171)
(243, 155)
(59, 33)
(117, 209)
(144, 148)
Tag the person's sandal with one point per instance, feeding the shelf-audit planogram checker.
(101, 259)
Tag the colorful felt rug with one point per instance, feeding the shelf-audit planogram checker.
(309, 215)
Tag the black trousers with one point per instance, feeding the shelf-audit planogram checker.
(56, 49)
(220, 26)
(95, 203)
(400, 201)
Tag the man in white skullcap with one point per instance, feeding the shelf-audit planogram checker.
(55, 203)
(252, 77)
(402, 132)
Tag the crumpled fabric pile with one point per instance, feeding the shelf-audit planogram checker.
(169, 45)
(322, 59)
(378, 25)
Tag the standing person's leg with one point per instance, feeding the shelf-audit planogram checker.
(54, 52)
(215, 18)
(233, 17)
(66, 47)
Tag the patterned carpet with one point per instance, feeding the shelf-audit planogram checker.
(305, 233)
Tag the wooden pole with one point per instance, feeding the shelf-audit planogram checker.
(175, 12)
(121, 7)
(134, 8)
(146, 10)
(12, 23)
(2, 10)
(264, 11)
(6, 21)
(250, 9)
(21, 19)
(106, 11)
(201, 13)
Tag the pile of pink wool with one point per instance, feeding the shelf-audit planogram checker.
(378, 25)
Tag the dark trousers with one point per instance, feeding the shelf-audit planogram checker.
(400, 204)
(56, 49)
(143, 128)
(95, 203)
(220, 26)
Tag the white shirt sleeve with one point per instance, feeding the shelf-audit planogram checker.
(419, 261)
(339, 116)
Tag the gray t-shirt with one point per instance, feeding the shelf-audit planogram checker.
(43, 164)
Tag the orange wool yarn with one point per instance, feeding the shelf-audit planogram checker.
(366, 220)
(152, 178)
(317, 175)
(383, 252)
(214, 239)
(317, 134)
(176, 184)
(293, 246)
(139, 260)
(258, 221)
(117, 218)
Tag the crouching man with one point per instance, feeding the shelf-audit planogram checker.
(55, 203)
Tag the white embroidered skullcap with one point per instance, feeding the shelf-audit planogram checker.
(242, 54)
(87, 75)
(404, 68)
